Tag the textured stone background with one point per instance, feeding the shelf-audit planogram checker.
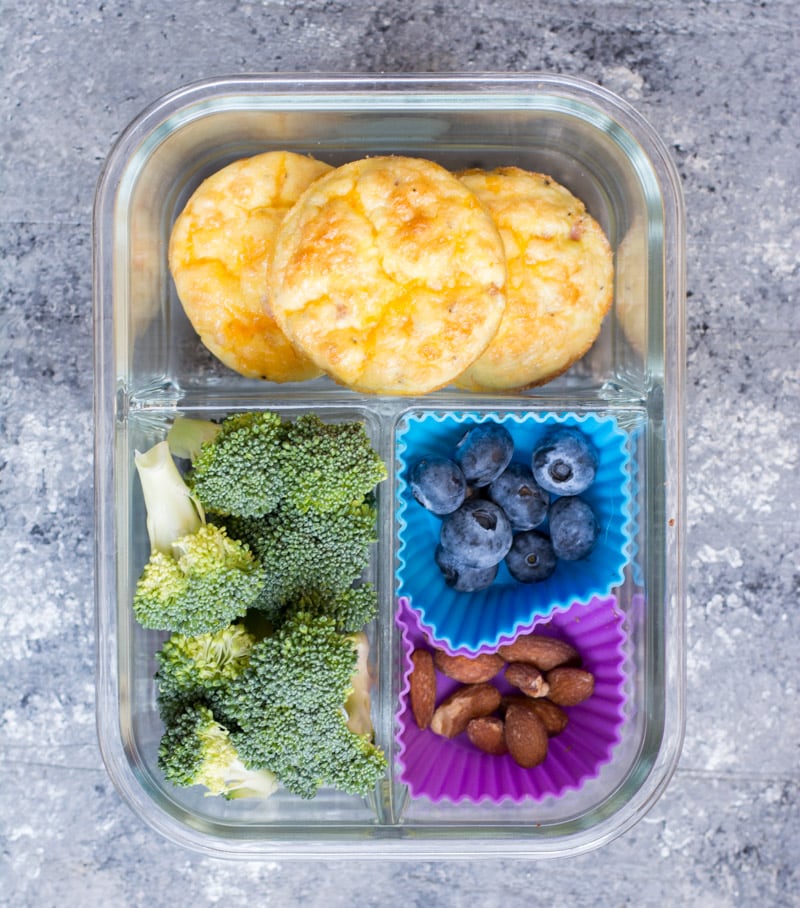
(719, 81)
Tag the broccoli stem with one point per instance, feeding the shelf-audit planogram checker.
(357, 705)
(248, 783)
(186, 436)
(172, 510)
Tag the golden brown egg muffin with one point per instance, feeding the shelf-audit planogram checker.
(389, 274)
(560, 280)
(220, 252)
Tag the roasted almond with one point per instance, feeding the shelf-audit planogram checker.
(422, 687)
(554, 718)
(453, 714)
(539, 650)
(570, 686)
(508, 699)
(526, 736)
(487, 733)
(526, 678)
(468, 669)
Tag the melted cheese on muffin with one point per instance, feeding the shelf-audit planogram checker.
(560, 280)
(220, 252)
(389, 274)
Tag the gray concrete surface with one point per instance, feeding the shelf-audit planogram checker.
(719, 81)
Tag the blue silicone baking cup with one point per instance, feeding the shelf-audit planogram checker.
(479, 621)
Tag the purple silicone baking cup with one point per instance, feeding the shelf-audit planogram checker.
(464, 623)
(442, 769)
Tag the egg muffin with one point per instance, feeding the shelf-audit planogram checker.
(389, 274)
(220, 251)
(560, 280)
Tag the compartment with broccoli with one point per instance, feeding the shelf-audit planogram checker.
(259, 548)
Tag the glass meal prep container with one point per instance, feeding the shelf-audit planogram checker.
(151, 366)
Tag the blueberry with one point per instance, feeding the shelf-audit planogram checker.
(573, 528)
(462, 577)
(531, 557)
(438, 484)
(478, 533)
(517, 493)
(484, 452)
(564, 462)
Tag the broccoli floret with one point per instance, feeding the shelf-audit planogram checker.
(196, 749)
(172, 510)
(252, 462)
(197, 669)
(329, 465)
(305, 649)
(205, 582)
(240, 469)
(308, 553)
(289, 706)
(197, 579)
(317, 750)
(349, 609)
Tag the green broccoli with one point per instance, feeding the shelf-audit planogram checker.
(308, 552)
(265, 674)
(253, 462)
(289, 706)
(207, 581)
(197, 578)
(349, 609)
(328, 466)
(197, 669)
(240, 469)
(196, 749)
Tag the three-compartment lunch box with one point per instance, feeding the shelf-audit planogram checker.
(151, 366)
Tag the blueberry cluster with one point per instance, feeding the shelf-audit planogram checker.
(495, 509)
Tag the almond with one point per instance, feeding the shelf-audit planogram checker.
(422, 683)
(527, 678)
(570, 686)
(508, 699)
(487, 733)
(526, 736)
(468, 669)
(543, 652)
(554, 718)
(453, 714)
